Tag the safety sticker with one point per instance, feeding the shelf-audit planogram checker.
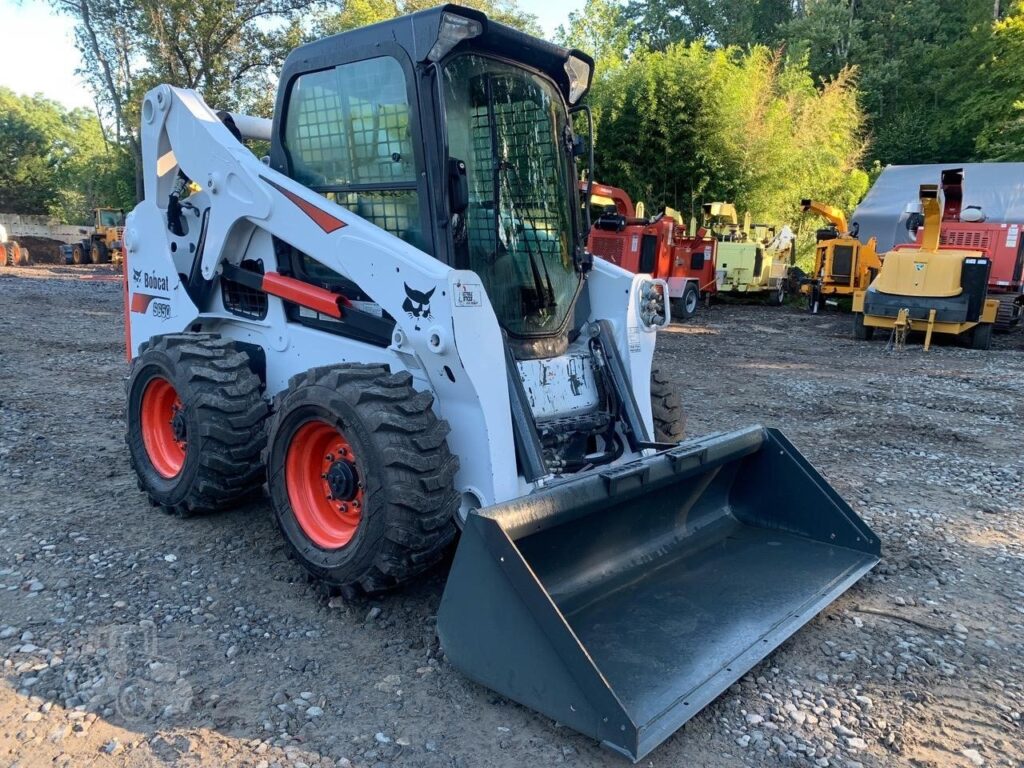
(1011, 236)
(369, 307)
(634, 339)
(468, 295)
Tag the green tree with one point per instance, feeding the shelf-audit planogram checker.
(28, 167)
(718, 22)
(823, 31)
(994, 114)
(228, 50)
(914, 58)
(57, 162)
(693, 124)
(602, 29)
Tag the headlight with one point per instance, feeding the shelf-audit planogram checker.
(454, 29)
(652, 305)
(579, 77)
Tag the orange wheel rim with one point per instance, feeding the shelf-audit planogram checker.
(163, 427)
(323, 485)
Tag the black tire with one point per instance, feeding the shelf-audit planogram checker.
(981, 336)
(667, 409)
(6, 254)
(862, 332)
(686, 305)
(399, 467)
(222, 421)
(79, 255)
(778, 296)
(98, 253)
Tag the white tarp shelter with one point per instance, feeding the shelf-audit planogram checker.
(998, 188)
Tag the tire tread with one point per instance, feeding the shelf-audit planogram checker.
(417, 471)
(231, 412)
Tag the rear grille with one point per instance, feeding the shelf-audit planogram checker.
(609, 248)
(968, 238)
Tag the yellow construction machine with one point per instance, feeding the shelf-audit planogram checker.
(842, 263)
(928, 287)
(751, 258)
(104, 244)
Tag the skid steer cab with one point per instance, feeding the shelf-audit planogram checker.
(394, 324)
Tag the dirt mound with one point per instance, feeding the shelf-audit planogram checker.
(43, 250)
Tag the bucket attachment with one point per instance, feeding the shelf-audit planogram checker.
(623, 601)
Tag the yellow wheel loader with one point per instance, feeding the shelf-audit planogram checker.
(395, 325)
(842, 263)
(930, 288)
(103, 245)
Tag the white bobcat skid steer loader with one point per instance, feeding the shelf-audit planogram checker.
(394, 324)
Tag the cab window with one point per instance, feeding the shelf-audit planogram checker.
(348, 136)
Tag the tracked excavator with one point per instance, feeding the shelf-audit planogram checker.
(393, 323)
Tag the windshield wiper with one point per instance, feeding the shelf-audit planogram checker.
(545, 293)
(545, 290)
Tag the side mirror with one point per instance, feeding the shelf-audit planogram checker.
(458, 185)
(580, 146)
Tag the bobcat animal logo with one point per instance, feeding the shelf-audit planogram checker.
(417, 303)
(136, 275)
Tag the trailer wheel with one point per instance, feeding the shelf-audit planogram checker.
(360, 476)
(862, 332)
(98, 253)
(685, 306)
(981, 336)
(78, 254)
(667, 409)
(195, 422)
(778, 296)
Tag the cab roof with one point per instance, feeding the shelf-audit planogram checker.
(416, 33)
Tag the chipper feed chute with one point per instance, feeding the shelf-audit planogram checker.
(622, 602)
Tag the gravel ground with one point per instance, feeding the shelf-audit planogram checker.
(130, 638)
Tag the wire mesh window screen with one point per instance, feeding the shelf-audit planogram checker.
(508, 125)
(397, 211)
(350, 125)
(528, 175)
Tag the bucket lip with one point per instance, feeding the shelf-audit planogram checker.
(648, 736)
(546, 505)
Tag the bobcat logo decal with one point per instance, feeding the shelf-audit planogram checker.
(136, 275)
(417, 303)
